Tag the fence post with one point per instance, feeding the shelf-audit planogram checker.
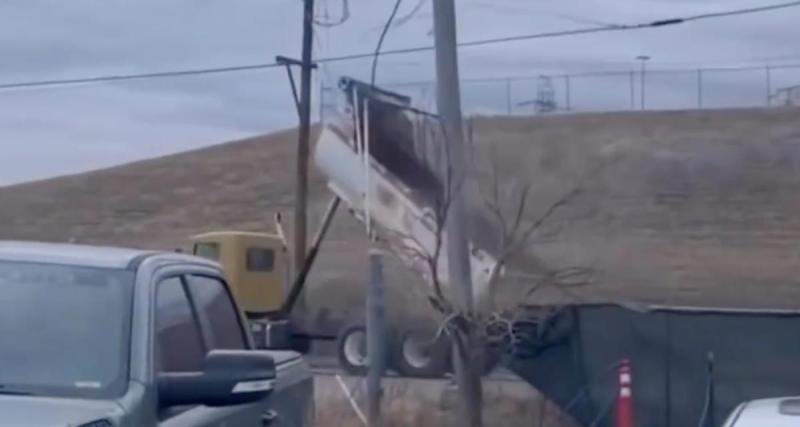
(508, 96)
(768, 71)
(567, 93)
(699, 88)
(632, 77)
(321, 100)
(376, 332)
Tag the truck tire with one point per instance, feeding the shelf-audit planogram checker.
(351, 349)
(416, 355)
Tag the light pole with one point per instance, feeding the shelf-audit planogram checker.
(643, 60)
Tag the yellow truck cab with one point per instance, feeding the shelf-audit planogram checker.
(256, 266)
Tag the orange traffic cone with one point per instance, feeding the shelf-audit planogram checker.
(625, 397)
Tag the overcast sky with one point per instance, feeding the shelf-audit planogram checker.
(52, 131)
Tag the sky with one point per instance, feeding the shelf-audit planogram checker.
(51, 131)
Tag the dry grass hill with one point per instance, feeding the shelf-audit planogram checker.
(688, 207)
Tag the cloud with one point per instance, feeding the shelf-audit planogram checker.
(53, 131)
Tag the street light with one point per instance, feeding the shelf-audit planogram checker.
(643, 60)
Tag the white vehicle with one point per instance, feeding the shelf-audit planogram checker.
(777, 412)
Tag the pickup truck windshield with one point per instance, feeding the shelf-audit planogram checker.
(64, 330)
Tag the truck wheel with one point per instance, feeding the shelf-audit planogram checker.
(418, 356)
(351, 349)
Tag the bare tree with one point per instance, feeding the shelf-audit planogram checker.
(506, 206)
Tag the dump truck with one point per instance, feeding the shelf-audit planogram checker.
(392, 182)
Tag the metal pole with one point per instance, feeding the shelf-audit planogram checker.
(769, 85)
(633, 90)
(508, 96)
(376, 331)
(699, 88)
(321, 101)
(301, 194)
(567, 93)
(642, 85)
(643, 59)
(449, 106)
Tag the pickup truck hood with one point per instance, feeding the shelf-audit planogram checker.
(29, 411)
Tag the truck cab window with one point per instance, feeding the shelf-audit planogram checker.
(207, 250)
(179, 344)
(260, 259)
(215, 306)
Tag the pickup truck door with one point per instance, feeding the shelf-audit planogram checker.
(195, 314)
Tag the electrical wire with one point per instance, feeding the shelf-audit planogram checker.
(374, 55)
(380, 40)
(744, 11)
(578, 31)
(122, 77)
(410, 15)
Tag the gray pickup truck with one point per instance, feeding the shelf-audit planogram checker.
(103, 337)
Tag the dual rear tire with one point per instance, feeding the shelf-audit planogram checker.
(351, 350)
(421, 355)
(409, 352)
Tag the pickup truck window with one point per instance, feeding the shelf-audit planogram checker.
(179, 343)
(64, 330)
(215, 306)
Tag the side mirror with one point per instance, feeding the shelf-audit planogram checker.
(230, 377)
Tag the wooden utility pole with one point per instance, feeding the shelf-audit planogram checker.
(458, 262)
(304, 110)
(449, 106)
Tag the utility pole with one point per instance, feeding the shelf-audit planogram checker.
(449, 108)
(458, 262)
(304, 110)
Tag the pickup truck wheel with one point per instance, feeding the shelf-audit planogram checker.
(418, 355)
(351, 349)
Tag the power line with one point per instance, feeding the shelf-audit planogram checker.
(581, 31)
(483, 42)
(744, 11)
(122, 77)
(381, 38)
(410, 15)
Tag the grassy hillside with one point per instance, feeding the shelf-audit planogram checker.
(685, 207)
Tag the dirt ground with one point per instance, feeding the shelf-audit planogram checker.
(431, 403)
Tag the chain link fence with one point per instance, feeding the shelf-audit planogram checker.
(623, 90)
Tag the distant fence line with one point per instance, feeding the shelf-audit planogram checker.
(618, 90)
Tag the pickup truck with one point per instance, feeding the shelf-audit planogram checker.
(104, 337)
